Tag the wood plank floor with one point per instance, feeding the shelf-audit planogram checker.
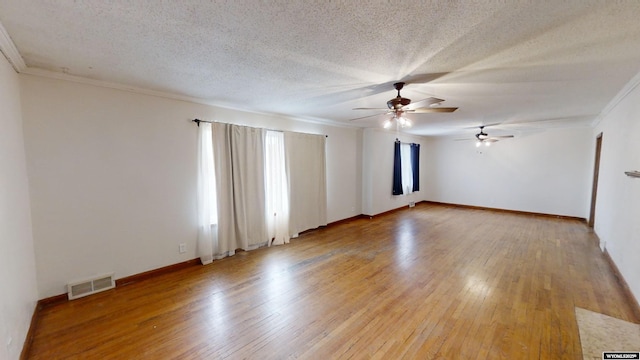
(422, 283)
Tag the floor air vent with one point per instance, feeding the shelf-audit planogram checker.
(90, 286)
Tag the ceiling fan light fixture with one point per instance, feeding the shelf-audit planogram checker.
(478, 143)
(487, 143)
(403, 121)
(386, 124)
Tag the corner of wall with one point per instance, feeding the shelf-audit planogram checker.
(17, 258)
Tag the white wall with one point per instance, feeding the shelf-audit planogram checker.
(113, 187)
(617, 219)
(17, 263)
(113, 177)
(545, 172)
(377, 171)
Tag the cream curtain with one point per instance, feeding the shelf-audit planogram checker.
(262, 186)
(239, 166)
(305, 161)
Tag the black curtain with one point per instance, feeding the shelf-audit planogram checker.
(397, 170)
(415, 165)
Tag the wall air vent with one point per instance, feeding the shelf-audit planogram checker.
(80, 288)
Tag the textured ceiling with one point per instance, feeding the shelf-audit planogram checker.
(498, 61)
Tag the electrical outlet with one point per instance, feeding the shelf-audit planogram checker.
(412, 204)
(183, 248)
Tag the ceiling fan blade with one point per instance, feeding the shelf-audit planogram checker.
(423, 78)
(483, 126)
(463, 139)
(502, 136)
(368, 116)
(381, 109)
(429, 101)
(433, 110)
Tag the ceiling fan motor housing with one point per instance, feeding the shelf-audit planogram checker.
(398, 102)
(482, 135)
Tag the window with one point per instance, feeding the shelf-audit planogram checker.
(276, 189)
(407, 168)
(406, 171)
(207, 176)
(261, 176)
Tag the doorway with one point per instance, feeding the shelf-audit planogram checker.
(594, 189)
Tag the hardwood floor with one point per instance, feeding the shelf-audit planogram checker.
(428, 282)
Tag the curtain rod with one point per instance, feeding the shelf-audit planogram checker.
(198, 121)
(398, 141)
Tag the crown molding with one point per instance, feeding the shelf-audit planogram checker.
(111, 85)
(8, 48)
(626, 90)
(167, 95)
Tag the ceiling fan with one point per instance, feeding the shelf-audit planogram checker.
(484, 138)
(399, 106)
